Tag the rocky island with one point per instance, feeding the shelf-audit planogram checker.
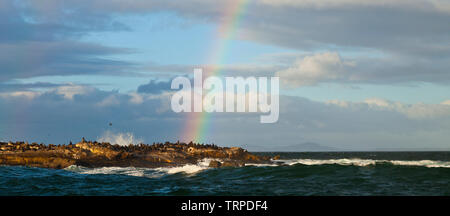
(95, 154)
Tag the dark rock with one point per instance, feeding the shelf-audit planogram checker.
(214, 164)
(233, 164)
(94, 154)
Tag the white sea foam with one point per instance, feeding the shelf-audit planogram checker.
(365, 162)
(122, 139)
(426, 163)
(143, 172)
(204, 165)
(260, 165)
(131, 171)
(188, 168)
(345, 161)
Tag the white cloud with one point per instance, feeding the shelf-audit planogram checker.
(377, 102)
(315, 68)
(136, 98)
(425, 111)
(447, 102)
(413, 111)
(111, 100)
(418, 111)
(25, 94)
(339, 103)
(69, 91)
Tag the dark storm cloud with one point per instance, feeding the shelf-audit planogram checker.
(408, 27)
(384, 28)
(31, 59)
(70, 112)
(23, 21)
(414, 33)
(33, 45)
(7, 87)
(155, 87)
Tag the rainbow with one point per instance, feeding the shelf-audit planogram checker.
(198, 124)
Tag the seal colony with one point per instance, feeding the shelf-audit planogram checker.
(94, 154)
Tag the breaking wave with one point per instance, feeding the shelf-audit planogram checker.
(355, 173)
(191, 169)
(143, 172)
(188, 168)
(122, 139)
(364, 162)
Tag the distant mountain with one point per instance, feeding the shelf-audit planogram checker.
(308, 147)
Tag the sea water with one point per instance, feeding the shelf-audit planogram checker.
(319, 173)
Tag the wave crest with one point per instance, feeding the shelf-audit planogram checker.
(143, 172)
(366, 162)
(122, 139)
(204, 165)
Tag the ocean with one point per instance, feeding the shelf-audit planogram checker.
(309, 173)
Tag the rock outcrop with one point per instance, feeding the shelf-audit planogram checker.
(214, 164)
(95, 154)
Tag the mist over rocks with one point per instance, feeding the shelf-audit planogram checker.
(102, 154)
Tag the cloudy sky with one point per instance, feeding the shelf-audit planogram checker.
(355, 74)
